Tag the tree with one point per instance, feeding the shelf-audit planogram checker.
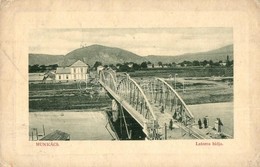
(204, 63)
(144, 65)
(216, 64)
(53, 66)
(188, 63)
(124, 68)
(228, 63)
(160, 64)
(97, 63)
(210, 62)
(118, 64)
(43, 68)
(196, 63)
(30, 68)
(136, 66)
(232, 62)
(35, 68)
(112, 66)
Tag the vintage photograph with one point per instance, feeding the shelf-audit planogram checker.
(131, 83)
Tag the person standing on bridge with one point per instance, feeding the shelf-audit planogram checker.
(219, 125)
(162, 109)
(205, 122)
(200, 123)
(171, 124)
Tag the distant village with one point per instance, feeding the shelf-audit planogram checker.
(79, 70)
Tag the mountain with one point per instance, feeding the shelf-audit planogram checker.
(104, 54)
(214, 55)
(112, 55)
(45, 59)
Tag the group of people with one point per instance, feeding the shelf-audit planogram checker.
(206, 123)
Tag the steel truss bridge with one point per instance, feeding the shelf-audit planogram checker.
(157, 109)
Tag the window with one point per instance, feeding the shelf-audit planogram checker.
(67, 76)
(60, 77)
(75, 71)
(82, 70)
(75, 76)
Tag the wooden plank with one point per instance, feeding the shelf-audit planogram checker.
(57, 135)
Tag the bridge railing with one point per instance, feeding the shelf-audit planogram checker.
(129, 93)
(108, 77)
(161, 93)
(134, 95)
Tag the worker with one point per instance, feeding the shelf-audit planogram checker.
(170, 125)
(205, 122)
(219, 125)
(162, 109)
(200, 123)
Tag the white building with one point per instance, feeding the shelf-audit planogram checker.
(99, 68)
(76, 71)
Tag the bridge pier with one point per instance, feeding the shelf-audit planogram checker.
(126, 127)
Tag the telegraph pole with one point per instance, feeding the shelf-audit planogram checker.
(175, 81)
(183, 87)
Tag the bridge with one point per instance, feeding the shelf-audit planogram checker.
(147, 109)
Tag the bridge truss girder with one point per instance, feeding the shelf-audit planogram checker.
(131, 97)
(161, 93)
(136, 99)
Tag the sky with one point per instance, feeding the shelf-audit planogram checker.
(141, 41)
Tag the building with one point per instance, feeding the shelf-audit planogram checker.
(76, 71)
(99, 68)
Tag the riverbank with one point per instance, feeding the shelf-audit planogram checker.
(79, 124)
(90, 124)
(224, 111)
(67, 96)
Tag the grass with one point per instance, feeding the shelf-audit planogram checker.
(184, 72)
(66, 96)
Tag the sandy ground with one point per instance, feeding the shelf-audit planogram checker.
(224, 111)
(87, 125)
(90, 125)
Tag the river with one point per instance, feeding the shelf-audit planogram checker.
(90, 124)
(224, 111)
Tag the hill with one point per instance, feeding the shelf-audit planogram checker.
(45, 59)
(214, 55)
(104, 54)
(112, 55)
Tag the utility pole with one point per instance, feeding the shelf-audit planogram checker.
(175, 81)
(43, 130)
(183, 87)
(165, 135)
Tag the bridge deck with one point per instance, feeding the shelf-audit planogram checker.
(127, 92)
(126, 105)
(181, 131)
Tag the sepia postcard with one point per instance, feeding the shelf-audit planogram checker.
(129, 83)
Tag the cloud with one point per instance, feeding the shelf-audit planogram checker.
(168, 41)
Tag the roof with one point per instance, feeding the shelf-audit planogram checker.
(57, 135)
(63, 70)
(79, 63)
